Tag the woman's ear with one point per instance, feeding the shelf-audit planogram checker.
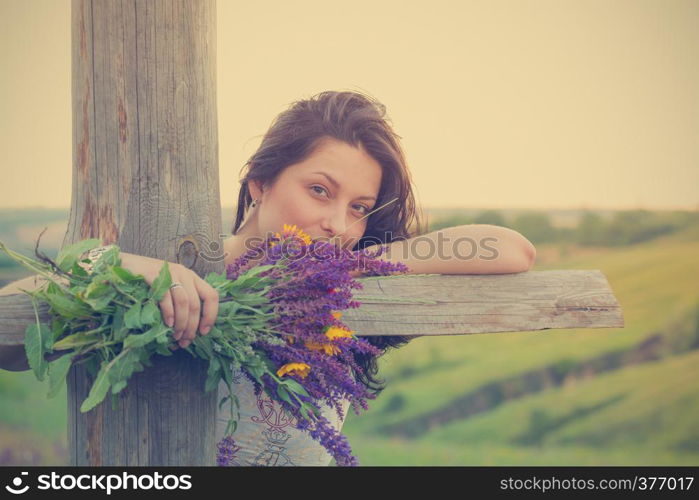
(255, 188)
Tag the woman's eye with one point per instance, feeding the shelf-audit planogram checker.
(318, 187)
(364, 209)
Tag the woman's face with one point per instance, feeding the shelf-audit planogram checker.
(305, 194)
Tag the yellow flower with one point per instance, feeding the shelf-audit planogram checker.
(334, 332)
(329, 349)
(337, 315)
(289, 231)
(302, 369)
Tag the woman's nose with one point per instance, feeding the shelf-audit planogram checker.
(334, 225)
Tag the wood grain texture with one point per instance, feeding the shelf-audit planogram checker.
(453, 304)
(145, 176)
(464, 304)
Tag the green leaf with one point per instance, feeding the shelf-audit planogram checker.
(77, 270)
(141, 339)
(231, 427)
(216, 279)
(132, 318)
(57, 328)
(204, 343)
(119, 330)
(296, 387)
(252, 273)
(214, 365)
(119, 386)
(304, 412)
(164, 339)
(245, 300)
(98, 295)
(308, 409)
(150, 314)
(67, 307)
(76, 340)
(106, 260)
(92, 365)
(227, 374)
(163, 350)
(69, 255)
(255, 369)
(97, 288)
(212, 380)
(144, 356)
(223, 400)
(122, 370)
(35, 336)
(123, 275)
(283, 393)
(161, 284)
(48, 340)
(252, 309)
(58, 370)
(98, 391)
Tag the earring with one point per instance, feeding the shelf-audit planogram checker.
(255, 203)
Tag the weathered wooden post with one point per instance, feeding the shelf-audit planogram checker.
(145, 176)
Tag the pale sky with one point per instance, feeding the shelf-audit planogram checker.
(500, 104)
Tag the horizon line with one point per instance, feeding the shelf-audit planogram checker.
(455, 207)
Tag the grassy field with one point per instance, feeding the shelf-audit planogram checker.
(549, 397)
(637, 413)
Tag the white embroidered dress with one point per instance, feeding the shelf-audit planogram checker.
(266, 434)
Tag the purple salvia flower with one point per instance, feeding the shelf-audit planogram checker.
(309, 282)
(226, 452)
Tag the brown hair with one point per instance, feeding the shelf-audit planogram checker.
(356, 119)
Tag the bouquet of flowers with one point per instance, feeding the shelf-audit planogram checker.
(279, 322)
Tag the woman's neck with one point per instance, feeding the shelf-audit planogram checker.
(235, 245)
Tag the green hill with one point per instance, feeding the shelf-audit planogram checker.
(553, 397)
(580, 396)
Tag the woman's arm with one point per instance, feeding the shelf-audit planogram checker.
(466, 249)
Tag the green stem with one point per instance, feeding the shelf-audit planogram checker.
(33, 265)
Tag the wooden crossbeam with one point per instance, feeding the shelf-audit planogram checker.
(439, 305)
(462, 304)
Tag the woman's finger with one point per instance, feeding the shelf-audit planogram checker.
(167, 309)
(194, 304)
(210, 308)
(180, 298)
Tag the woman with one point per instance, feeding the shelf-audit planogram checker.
(324, 165)
(332, 166)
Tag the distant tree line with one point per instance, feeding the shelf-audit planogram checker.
(625, 227)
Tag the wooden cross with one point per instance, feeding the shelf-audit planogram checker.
(145, 176)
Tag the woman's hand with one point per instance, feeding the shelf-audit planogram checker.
(181, 306)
